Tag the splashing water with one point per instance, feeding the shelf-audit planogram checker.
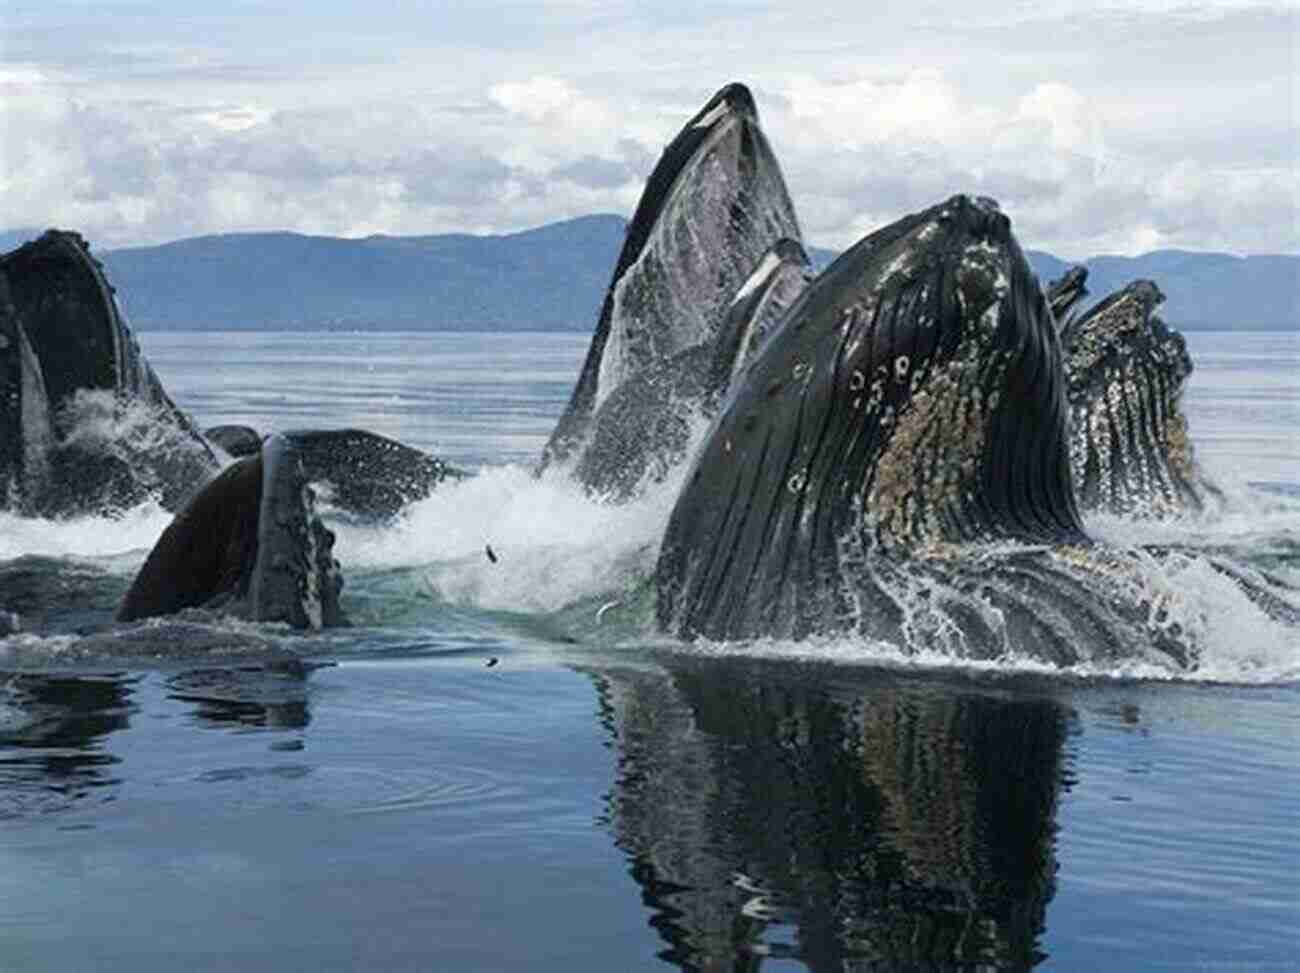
(118, 543)
(556, 547)
(553, 544)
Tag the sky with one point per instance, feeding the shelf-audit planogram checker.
(1111, 126)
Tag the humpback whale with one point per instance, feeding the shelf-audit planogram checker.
(712, 210)
(85, 424)
(249, 544)
(1125, 369)
(896, 463)
(911, 397)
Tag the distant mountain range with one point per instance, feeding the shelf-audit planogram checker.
(550, 278)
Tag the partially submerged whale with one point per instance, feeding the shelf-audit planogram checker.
(85, 424)
(249, 544)
(760, 803)
(234, 440)
(712, 216)
(1065, 294)
(912, 399)
(1130, 451)
(643, 430)
(896, 464)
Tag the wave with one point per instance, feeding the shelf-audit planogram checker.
(559, 555)
(551, 544)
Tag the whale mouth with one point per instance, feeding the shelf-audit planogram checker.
(911, 398)
(249, 544)
(734, 99)
(714, 204)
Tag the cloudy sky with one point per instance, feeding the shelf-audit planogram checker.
(1114, 126)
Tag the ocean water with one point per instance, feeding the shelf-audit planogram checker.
(501, 767)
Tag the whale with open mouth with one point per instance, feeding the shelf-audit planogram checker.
(248, 544)
(705, 238)
(85, 424)
(1130, 451)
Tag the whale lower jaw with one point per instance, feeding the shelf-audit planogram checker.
(249, 544)
(72, 378)
(713, 206)
(294, 578)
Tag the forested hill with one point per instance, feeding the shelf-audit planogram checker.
(552, 277)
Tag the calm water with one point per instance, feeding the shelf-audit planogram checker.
(502, 769)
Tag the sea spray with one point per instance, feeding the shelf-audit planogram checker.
(118, 543)
(554, 544)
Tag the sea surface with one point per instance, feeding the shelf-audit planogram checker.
(501, 767)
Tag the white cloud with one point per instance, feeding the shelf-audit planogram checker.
(1107, 126)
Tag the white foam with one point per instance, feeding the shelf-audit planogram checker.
(123, 540)
(553, 543)
(1249, 655)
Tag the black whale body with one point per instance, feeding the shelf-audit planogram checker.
(248, 544)
(714, 207)
(913, 397)
(235, 440)
(896, 465)
(251, 543)
(85, 424)
(1131, 452)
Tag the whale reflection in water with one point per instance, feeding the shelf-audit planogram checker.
(764, 814)
(52, 732)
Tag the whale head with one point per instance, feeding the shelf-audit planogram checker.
(715, 203)
(249, 544)
(913, 396)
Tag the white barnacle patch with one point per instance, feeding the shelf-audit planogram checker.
(896, 272)
(857, 381)
(797, 481)
(801, 370)
(876, 397)
(901, 365)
